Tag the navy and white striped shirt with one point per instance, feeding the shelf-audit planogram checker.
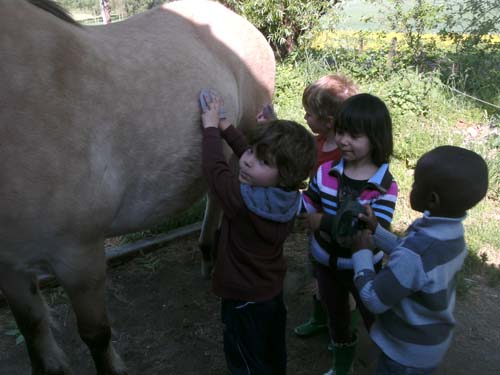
(414, 294)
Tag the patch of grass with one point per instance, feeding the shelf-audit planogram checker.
(150, 262)
(476, 265)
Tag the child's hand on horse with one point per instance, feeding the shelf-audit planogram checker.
(266, 114)
(213, 113)
(210, 111)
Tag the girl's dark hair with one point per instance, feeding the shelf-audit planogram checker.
(290, 147)
(367, 114)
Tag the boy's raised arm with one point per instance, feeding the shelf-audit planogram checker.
(384, 239)
(235, 139)
(214, 116)
(402, 275)
(221, 180)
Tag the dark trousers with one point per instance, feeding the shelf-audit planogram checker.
(254, 336)
(334, 288)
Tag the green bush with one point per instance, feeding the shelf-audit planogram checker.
(283, 22)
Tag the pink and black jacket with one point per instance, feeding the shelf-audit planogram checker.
(380, 193)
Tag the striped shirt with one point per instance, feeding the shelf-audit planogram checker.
(380, 192)
(414, 294)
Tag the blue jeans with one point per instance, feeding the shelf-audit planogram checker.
(387, 366)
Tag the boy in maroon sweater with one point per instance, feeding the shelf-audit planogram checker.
(259, 204)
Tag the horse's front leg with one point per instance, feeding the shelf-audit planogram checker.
(83, 276)
(32, 317)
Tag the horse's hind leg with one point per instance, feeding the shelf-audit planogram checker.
(32, 317)
(83, 276)
(211, 223)
(206, 242)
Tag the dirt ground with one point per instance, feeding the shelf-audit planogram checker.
(166, 321)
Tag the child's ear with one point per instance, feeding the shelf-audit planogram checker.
(434, 202)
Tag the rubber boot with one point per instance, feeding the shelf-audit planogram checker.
(343, 357)
(315, 324)
(355, 315)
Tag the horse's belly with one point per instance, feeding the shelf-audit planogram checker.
(162, 199)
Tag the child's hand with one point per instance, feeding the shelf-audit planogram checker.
(369, 219)
(210, 110)
(362, 240)
(266, 114)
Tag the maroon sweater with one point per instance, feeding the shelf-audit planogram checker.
(250, 265)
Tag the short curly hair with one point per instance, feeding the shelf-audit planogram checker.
(290, 147)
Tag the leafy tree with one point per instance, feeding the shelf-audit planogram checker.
(136, 6)
(92, 6)
(130, 7)
(413, 19)
(283, 22)
(471, 22)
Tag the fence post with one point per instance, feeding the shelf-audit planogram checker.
(392, 52)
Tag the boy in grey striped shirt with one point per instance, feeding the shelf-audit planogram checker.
(414, 294)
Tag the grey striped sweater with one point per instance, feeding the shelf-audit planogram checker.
(414, 294)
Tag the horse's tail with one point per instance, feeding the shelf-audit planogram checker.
(55, 9)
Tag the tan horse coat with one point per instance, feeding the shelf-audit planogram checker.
(100, 136)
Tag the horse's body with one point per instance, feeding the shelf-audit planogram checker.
(100, 136)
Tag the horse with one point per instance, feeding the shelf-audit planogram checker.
(100, 136)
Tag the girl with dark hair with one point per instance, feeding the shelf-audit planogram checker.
(363, 133)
